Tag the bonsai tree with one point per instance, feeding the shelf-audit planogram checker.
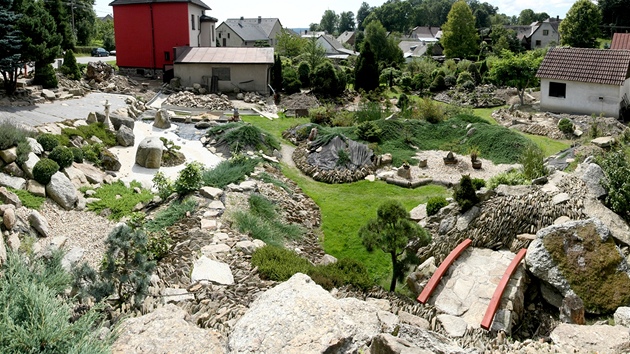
(474, 153)
(392, 231)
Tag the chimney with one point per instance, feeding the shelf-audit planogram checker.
(242, 18)
(557, 17)
(259, 19)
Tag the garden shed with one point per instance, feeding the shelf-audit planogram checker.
(585, 81)
(223, 69)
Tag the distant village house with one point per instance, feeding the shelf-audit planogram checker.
(248, 32)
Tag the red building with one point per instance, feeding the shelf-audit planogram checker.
(147, 31)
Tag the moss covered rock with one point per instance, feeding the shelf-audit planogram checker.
(581, 257)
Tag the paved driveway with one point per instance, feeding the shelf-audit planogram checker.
(62, 110)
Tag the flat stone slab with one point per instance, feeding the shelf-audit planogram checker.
(453, 325)
(466, 289)
(592, 339)
(206, 269)
(174, 295)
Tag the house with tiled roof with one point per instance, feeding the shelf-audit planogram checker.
(221, 69)
(545, 33)
(347, 37)
(248, 32)
(334, 49)
(426, 33)
(585, 81)
(620, 41)
(147, 31)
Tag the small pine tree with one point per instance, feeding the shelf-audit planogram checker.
(366, 75)
(465, 194)
(276, 74)
(304, 72)
(70, 67)
(327, 81)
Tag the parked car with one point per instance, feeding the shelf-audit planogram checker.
(99, 52)
(112, 53)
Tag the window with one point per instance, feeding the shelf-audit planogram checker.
(192, 21)
(222, 73)
(545, 32)
(228, 35)
(167, 56)
(538, 43)
(557, 89)
(219, 34)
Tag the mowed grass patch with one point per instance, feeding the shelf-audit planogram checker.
(547, 145)
(345, 208)
(274, 127)
(486, 113)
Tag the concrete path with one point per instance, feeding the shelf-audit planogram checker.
(61, 110)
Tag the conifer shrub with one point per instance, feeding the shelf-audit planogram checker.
(464, 194)
(565, 126)
(438, 84)
(70, 68)
(45, 76)
(434, 205)
(369, 131)
(189, 179)
(77, 154)
(44, 169)
(62, 156)
(47, 141)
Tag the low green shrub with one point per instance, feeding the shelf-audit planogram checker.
(28, 200)
(44, 169)
(77, 154)
(565, 126)
(189, 178)
(343, 119)
(368, 131)
(511, 178)
(37, 317)
(431, 110)
(434, 205)
(118, 199)
(96, 129)
(438, 84)
(616, 167)
(533, 162)
(368, 111)
(163, 185)
(11, 133)
(229, 171)
(47, 141)
(321, 115)
(172, 214)
(343, 157)
(22, 151)
(464, 194)
(343, 272)
(478, 183)
(92, 152)
(158, 245)
(62, 156)
(463, 77)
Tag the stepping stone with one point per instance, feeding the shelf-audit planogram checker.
(206, 269)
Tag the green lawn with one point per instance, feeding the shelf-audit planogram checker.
(347, 207)
(276, 126)
(486, 113)
(549, 146)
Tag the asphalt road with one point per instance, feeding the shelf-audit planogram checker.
(85, 60)
(62, 110)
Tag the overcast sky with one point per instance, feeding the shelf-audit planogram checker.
(301, 13)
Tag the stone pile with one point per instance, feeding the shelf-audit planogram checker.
(211, 102)
(483, 96)
(300, 156)
(98, 72)
(251, 97)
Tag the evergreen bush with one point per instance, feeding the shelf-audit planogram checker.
(291, 81)
(45, 76)
(22, 151)
(11, 134)
(44, 169)
(47, 141)
(62, 156)
(464, 194)
(438, 84)
(304, 72)
(189, 179)
(434, 205)
(77, 154)
(565, 126)
(368, 131)
(70, 67)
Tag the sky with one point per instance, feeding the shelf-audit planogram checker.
(301, 13)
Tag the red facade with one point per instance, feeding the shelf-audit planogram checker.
(145, 32)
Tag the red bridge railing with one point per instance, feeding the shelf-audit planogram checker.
(498, 292)
(439, 273)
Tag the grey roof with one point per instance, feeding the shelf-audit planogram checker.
(225, 55)
(130, 2)
(345, 36)
(206, 18)
(337, 45)
(252, 29)
(424, 32)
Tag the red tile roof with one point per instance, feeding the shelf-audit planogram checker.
(601, 66)
(620, 41)
(223, 55)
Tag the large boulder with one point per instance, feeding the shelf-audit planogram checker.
(299, 316)
(8, 197)
(593, 176)
(125, 137)
(162, 119)
(92, 174)
(76, 176)
(163, 331)
(149, 153)
(580, 257)
(39, 223)
(118, 121)
(8, 155)
(205, 269)
(619, 229)
(35, 146)
(61, 190)
(13, 182)
(387, 344)
(110, 161)
(29, 164)
(591, 339)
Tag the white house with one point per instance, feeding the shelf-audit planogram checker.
(225, 69)
(545, 33)
(247, 32)
(585, 81)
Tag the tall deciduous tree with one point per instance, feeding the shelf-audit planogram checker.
(346, 21)
(392, 231)
(581, 26)
(614, 13)
(84, 20)
(517, 71)
(11, 44)
(366, 74)
(363, 12)
(460, 37)
(386, 50)
(57, 10)
(329, 21)
(289, 44)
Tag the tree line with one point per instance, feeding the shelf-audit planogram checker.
(37, 32)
